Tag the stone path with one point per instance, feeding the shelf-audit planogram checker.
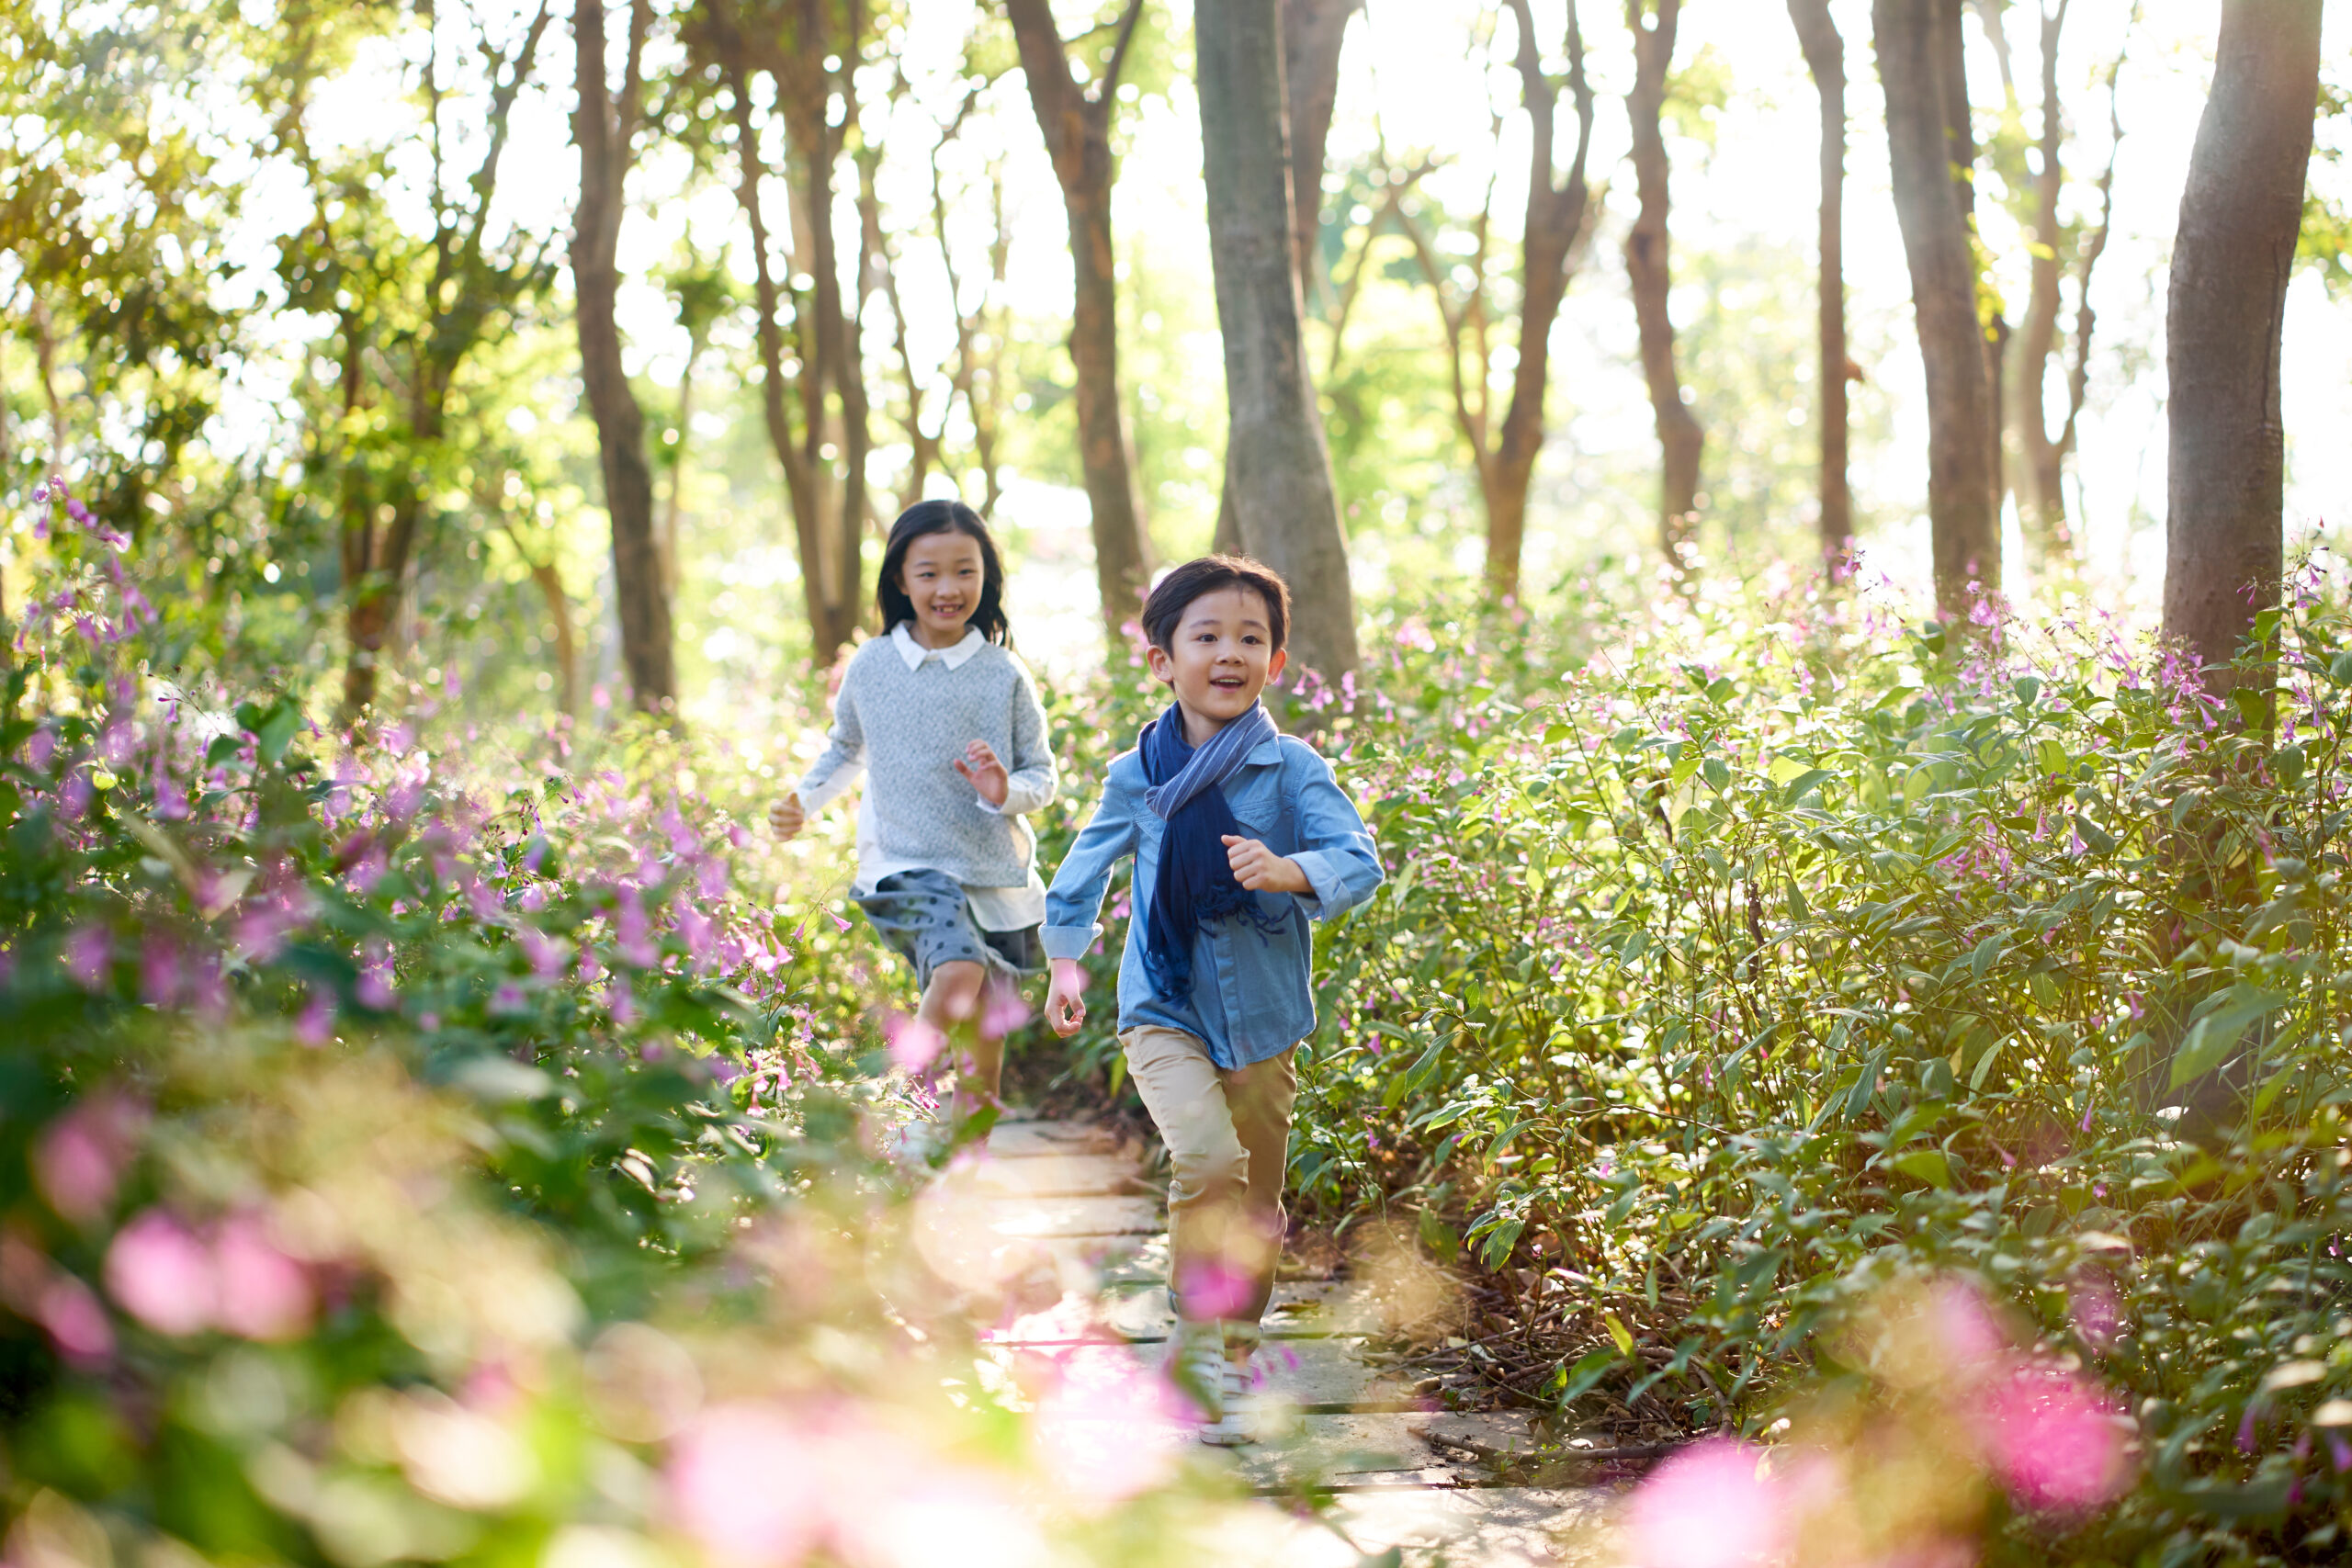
(1064, 1195)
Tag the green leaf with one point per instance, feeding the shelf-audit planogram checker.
(1805, 784)
(2217, 1033)
(1618, 1332)
(2095, 837)
(1986, 953)
(1929, 1165)
(1983, 1067)
(1586, 1375)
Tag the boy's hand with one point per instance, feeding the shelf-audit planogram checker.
(982, 769)
(1260, 870)
(1063, 1009)
(786, 817)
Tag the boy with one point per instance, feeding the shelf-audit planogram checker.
(1240, 835)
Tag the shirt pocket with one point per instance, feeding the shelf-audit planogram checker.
(1256, 797)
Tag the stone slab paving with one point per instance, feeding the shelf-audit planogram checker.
(1404, 1474)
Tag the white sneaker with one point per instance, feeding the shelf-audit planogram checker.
(1238, 1423)
(1196, 1365)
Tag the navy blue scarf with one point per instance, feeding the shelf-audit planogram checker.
(1196, 882)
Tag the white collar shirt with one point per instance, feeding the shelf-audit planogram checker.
(913, 652)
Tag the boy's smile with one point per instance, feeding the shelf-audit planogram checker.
(943, 577)
(1219, 658)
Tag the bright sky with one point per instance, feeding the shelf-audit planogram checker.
(1409, 73)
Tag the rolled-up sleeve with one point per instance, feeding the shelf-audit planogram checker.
(1076, 897)
(1339, 858)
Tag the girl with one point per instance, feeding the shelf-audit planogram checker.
(947, 722)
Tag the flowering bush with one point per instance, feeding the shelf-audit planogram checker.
(410, 1158)
(1777, 952)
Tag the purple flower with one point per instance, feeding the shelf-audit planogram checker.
(89, 958)
(316, 1025)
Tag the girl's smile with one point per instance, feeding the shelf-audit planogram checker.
(943, 577)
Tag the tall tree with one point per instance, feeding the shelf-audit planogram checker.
(1077, 126)
(2059, 248)
(1279, 470)
(1648, 264)
(2240, 216)
(1933, 149)
(1314, 31)
(813, 398)
(409, 312)
(604, 125)
(1825, 57)
(1313, 34)
(1554, 230)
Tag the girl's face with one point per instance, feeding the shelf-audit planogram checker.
(942, 577)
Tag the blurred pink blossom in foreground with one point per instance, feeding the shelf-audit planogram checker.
(1109, 1426)
(177, 1282)
(915, 1044)
(2054, 1440)
(744, 1483)
(80, 1158)
(1214, 1289)
(1710, 1506)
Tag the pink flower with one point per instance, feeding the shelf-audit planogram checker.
(162, 1274)
(915, 1044)
(746, 1482)
(2055, 1441)
(547, 955)
(316, 1025)
(1970, 1339)
(633, 938)
(261, 1293)
(89, 958)
(70, 1311)
(79, 1160)
(1212, 1288)
(1708, 1508)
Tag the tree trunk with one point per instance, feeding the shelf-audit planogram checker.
(673, 510)
(567, 647)
(1313, 34)
(2041, 505)
(827, 491)
(1932, 153)
(1279, 469)
(1554, 232)
(1824, 56)
(1681, 442)
(603, 125)
(1077, 127)
(2240, 216)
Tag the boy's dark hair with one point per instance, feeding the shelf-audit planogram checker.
(941, 517)
(1208, 574)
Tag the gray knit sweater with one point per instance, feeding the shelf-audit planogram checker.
(904, 714)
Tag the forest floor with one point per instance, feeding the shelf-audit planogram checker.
(1347, 1413)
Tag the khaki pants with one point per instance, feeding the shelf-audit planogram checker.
(1228, 1140)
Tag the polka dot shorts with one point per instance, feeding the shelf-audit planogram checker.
(925, 915)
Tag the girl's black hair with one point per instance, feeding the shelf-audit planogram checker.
(941, 517)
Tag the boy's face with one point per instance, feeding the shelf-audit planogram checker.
(941, 578)
(1220, 655)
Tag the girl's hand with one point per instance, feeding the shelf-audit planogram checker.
(1063, 1009)
(786, 817)
(1260, 870)
(982, 769)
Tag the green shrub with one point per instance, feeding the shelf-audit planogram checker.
(1777, 952)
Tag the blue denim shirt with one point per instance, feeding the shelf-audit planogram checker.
(1252, 991)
